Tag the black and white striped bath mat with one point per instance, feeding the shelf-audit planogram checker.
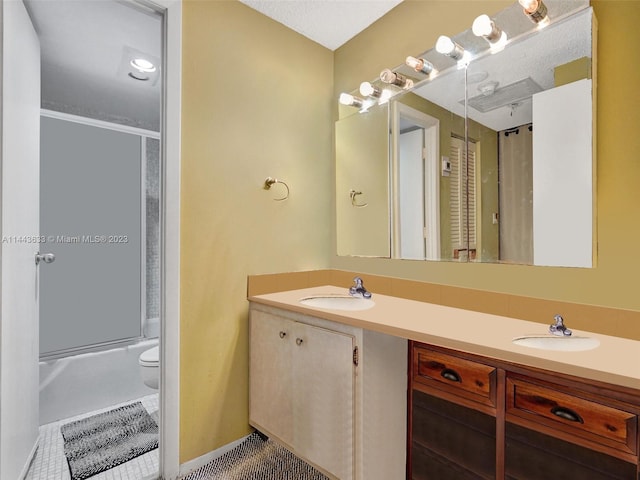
(257, 459)
(103, 441)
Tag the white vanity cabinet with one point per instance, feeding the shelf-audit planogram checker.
(302, 389)
(308, 378)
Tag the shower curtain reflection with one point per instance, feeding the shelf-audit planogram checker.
(516, 194)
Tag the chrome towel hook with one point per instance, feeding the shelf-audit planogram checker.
(352, 195)
(270, 181)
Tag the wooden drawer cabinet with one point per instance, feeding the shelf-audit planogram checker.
(481, 418)
(592, 420)
(470, 379)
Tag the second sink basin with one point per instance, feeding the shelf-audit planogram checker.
(338, 302)
(563, 344)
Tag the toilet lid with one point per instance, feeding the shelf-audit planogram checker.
(150, 357)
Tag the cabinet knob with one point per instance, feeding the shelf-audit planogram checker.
(298, 341)
(283, 334)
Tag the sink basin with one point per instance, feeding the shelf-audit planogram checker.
(562, 344)
(338, 302)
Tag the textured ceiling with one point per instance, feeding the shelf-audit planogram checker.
(327, 22)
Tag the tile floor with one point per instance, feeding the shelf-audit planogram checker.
(51, 464)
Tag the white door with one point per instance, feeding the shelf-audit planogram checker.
(411, 196)
(20, 217)
(416, 183)
(563, 176)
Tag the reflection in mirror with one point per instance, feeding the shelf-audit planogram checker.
(539, 111)
(504, 178)
(506, 219)
(414, 165)
(446, 193)
(362, 183)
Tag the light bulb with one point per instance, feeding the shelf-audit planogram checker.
(420, 65)
(350, 100)
(448, 47)
(444, 45)
(369, 90)
(536, 10)
(484, 27)
(529, 5)
(393, 78)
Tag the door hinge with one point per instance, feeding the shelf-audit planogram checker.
(356, 356)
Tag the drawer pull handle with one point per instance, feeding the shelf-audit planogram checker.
(283, 334)
(299, 341)
(567, 414)
(450, 375)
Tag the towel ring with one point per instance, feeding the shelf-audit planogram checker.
(270, 181)
(352, 195)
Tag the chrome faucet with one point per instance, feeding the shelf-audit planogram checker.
(558, 327)
(358, 290)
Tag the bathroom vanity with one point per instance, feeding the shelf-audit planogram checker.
(334, 394)
(475, 417)
(331, 385)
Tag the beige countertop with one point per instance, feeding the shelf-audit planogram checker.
(616, 360)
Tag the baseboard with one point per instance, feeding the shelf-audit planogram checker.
(32, 455)
(188, 467)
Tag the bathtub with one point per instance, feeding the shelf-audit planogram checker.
(82, 383)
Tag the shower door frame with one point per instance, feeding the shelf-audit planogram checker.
(170, 134)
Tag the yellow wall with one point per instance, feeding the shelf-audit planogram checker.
(413, 27)
(257, 102)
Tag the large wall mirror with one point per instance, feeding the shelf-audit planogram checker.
(490, 161)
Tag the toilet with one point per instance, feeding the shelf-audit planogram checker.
(149, 361)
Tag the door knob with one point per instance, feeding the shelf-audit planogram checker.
(45, 257)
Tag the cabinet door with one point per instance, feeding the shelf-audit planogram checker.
(530, 455)
(270, 394)
(324, 398)
(451, 442)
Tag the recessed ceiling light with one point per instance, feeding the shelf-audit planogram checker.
(143, 65)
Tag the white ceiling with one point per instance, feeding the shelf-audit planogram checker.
(330, 23)
(85, 47)
(85, 50)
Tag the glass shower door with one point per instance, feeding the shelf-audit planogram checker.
(91, 206)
